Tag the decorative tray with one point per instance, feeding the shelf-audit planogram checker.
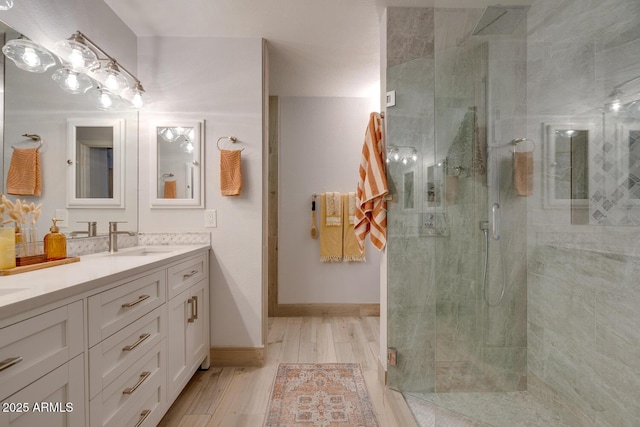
(32, 267)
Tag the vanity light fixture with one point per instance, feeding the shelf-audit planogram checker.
(6, 4)
(111, 77)
(72, 81)
(28, 55)
(81, 54)
(402, 153)
(103, 98)
(76, 54)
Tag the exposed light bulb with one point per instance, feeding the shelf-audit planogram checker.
(404, 160)
(30, 57)
(388, 160)
(396, 157)
(76, 59)
(105, 101)
(414, 157)
(189, 147)
(71, 82)
(112, 83)
(137, 101)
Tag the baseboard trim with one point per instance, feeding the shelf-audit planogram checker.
(237, 357)
(308, 310)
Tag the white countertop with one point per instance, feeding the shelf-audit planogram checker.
(25, 291)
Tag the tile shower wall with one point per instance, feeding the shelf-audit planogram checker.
(583, 294)
(446, 337)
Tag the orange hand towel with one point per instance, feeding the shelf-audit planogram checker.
(523, 173)
(371, 205)
(24, 177)
(230, 172)
(170, 190)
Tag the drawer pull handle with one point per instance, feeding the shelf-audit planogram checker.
(191, 318)
(138, 301)
(193, 272)
(137, 343)
(143, 416)
(143, 376)
(7, 363)
(195, 305)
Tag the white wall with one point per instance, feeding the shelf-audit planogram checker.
(319, 150)
(218, 80)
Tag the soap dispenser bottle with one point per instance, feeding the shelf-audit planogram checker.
(55, 243)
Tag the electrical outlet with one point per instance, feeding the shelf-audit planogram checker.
(63, 216)
(210, 218)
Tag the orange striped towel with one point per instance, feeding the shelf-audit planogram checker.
(24, 177)
(371, 205)
(230, 172)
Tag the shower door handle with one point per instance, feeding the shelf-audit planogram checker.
(495, 221)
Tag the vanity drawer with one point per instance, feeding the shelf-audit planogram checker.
(114, 309)
(185, 274)
(111, 357)
(31, 348)
(126, 397)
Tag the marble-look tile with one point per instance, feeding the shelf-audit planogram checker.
(409, 34)
(148, 239)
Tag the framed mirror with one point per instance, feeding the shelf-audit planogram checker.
(566, 165)
(176, 171)
(95, 162)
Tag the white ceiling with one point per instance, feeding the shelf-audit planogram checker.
(316, 48)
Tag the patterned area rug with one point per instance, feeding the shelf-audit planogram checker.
(320, 395)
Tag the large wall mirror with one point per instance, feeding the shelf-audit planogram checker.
(175, 160)
(95, 173)
(35, 104)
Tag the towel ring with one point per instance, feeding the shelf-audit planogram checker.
(165, 176)
(33, 137)
(233, 139)
(517, 141)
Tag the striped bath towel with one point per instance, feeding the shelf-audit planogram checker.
(24, 177)
(371, 205)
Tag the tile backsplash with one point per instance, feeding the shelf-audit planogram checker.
(92, 245)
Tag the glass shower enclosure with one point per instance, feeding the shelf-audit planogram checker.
(457, 304)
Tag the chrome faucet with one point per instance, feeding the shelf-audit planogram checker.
(113, 235)
(91, 229)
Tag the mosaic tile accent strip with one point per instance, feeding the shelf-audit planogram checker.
(615, 183)
(149, 239)
(92, 245)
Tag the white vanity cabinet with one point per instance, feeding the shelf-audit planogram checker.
(42, 369)
(188, 315)
(115, 350)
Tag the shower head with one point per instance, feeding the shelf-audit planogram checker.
(500, 20)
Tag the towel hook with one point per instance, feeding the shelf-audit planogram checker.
(33, 137)
(165, 176)
(233, 139)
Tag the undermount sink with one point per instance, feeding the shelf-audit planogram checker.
(7, 291)
(142, 252)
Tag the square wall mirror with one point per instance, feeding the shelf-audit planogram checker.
(95, 161)
(176, 164)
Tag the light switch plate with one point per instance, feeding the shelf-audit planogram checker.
(210, 218)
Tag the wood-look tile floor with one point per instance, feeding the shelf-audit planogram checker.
(239, 397)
